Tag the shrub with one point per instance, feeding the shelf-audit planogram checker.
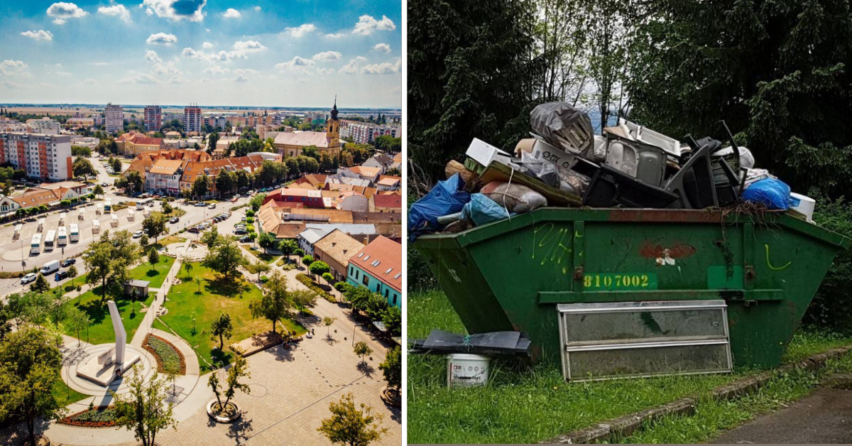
(328, 277)
(307, 260)
(250, 220)
(342, 286)
(832, 304)
(264, 279)
(249, 213)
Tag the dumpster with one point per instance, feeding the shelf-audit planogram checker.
(523, 273)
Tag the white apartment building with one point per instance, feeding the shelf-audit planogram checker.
(192, 119)
(41, 156)
(44, 126)
(153, 118)
(366, 133)
(114, 118)
(9, 125)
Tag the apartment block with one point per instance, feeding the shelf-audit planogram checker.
(44, 126)
(114, 118)
(366, 133)
(153, 118)
(41, 156)
(192, 119)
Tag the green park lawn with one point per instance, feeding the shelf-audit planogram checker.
(264, 257)
(65, 395)
(155, 275)
(528, 404)
(100, 331)
(193, 307)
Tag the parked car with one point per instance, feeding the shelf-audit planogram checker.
(68, 262)
(174, 220)
(60, 275)
(31, 277)
(240, 231)
(200, 204)
(137, 234)
(245, 239)
(212, 206)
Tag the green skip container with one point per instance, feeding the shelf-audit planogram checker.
(518, 274)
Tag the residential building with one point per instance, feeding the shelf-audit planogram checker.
(327, 143)
(365, 132)
(389, 183)
(335, 249)
(41, 156)
(192, 119)
(12, 126)
(79, 123)
(143, 162)
(195, 169)
(314, 232)
(378, 267)
(43, 126)
(386, 203)
(164, 177)
(113, 118)
(153, 118)
(381, 160)
(304, 197)
(35, 197)
(371, 174)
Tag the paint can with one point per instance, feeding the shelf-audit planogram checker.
(466, 370)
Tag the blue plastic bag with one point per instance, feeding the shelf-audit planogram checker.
(447, 197)
(481, 210)
(771, 192)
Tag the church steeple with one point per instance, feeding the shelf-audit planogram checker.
(334, 109)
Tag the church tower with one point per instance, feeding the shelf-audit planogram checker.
(332, 131)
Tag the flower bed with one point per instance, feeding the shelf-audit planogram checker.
(102, 416)
(308, 282)
(167, 355)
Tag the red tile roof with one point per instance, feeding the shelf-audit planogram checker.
(388, 253)
(388, 201)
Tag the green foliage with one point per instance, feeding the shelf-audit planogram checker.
(83, 167)
(211, 238)
(80, 151)
(392, 368)
(167, 353)
(225, 257)
(40, 285)
(307, 260)
(153, 257)
(109, 259)
(362, 349)
(327, 277)
(352, 425)
(392, 318)
(256, 201)
(319, 268)
(342, 287)
(115, 163)
(308, 282)
(221, 328)
(832, 304)
(388, 144)
(277, 303)
(154, 224)
(200, 186)
(144, 409)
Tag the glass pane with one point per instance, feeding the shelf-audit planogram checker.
(636, 326)
(623, 363)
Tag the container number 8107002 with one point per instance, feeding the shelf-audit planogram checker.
(610, 281)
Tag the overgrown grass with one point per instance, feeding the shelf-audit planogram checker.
(523, 404)
(313, 286)
(712, 417)
(100, 331)
(193, 307)
(156, 274)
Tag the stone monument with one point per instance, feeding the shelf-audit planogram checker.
(106, 367)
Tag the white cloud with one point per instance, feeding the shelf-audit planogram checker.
(192, 10)
(161, 39)
(13, 67)
(382, 48)
(63, 11)
(139, 79)
(353, 65)
(297, 65)
(327, 56)
(38, 35)
(335, 36)
(89, 81)
(367, 24)
(383, 68)
(207, 45)
(216, 69)
(325, 70)
(232, 13)
(248, 46)
(301, 30)
(166, 68)
(257, 8)
(116, 10)
(152, 57)
(240, 79)
(178, 80)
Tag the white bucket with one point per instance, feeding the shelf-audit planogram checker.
(803, 205)
(465, 370)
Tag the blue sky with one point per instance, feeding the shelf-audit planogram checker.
(211, 52)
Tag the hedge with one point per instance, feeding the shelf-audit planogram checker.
(308, 282)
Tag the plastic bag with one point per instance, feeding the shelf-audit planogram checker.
(771, 192)
(446, 197)
(563, 126)
(481, 210)
(516, 198)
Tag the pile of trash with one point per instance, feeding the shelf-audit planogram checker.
(629, 166)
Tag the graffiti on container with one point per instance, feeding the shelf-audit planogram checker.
(552, 245)
(666, 256)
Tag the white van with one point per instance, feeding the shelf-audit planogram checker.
(50, 267)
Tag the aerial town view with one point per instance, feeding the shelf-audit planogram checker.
(200, 223)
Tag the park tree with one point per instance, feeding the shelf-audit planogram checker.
(287, 247)
(328, 321)
(167, 207)
(351, 424)
(211, 142)
(132, 182)
(225, 257)
(98, 190)
(144, 409)
(225, 182)
(392, 318)
(392, 368)
(362, 349)
(237, 372)
(211, 238)
(109, 259)
(153, 258)
(116, 165)
(259, 267)
(155, 225)
(72, 273)
(243, 179)
(307, 260)
(201, 186)
(266, 241)
(319, 268)
(30, 362)
(221, 328)
(256, 201)
(40, 285)
(276, 303)
(83, 167)
(77, 320)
